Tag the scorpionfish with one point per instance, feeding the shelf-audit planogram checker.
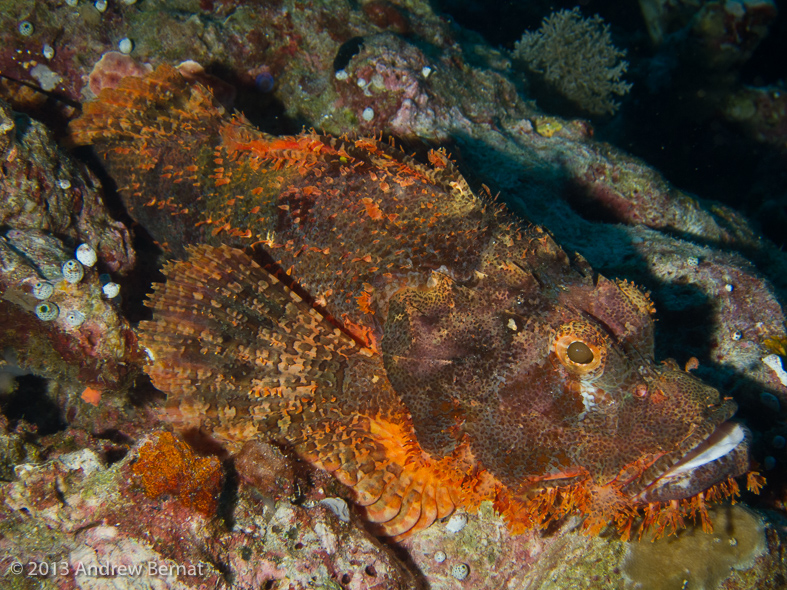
(414, 339)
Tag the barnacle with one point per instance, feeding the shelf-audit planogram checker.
(25, 28)
(47, 311)
(111, 290)
(74, 318)
(86, 255)
(460, 571)
(73, 272)
(43, 290)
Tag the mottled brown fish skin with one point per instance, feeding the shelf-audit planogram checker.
(413, 339)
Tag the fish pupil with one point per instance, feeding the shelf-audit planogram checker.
(580, 353)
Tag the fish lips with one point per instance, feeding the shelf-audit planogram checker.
(724, 454)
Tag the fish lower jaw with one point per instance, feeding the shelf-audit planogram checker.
(724, 454)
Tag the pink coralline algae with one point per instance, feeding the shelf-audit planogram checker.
(112, 68)
(396, 81)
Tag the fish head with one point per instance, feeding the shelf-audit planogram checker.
(546, 373)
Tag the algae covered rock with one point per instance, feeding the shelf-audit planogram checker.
(93, 523)
(734, 554)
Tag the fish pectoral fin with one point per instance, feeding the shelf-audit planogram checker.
(237, 351)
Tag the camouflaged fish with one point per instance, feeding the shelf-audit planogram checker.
(417, 341)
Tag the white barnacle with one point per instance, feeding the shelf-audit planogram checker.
(111, 290)
(43, 290)
(47, 311)
(377, 82)
(25, 28)
(74, 318)
(460, 571)
(125, 45)
(86, 255)
(338, 506)
(456, 523)
(72, 271)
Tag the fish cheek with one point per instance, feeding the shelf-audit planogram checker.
(441, 347)
(530, 428)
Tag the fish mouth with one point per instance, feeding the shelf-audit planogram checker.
(724, 454)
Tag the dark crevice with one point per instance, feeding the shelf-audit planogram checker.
(30, 403)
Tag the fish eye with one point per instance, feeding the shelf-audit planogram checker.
(579, 352)
(581, 349)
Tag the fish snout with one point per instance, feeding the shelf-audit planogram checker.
(680, 389)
